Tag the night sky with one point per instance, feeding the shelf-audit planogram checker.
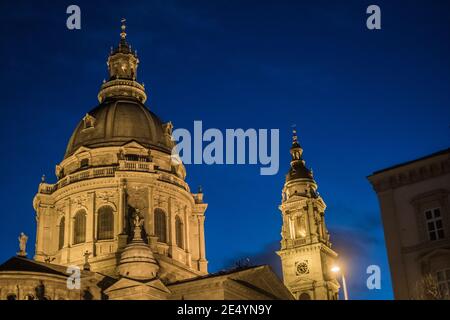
(362, 101)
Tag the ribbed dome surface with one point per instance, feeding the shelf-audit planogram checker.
(116, 122)
(298, 170)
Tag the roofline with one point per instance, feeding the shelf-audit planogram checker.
(438, 153)
(217, 274)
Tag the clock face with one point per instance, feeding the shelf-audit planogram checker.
(302, 267)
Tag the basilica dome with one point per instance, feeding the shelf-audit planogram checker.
(121, 116)
(116, 121)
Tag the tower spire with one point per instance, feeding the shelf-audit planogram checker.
(298, 168)
(122, 67)
(123, 34)
(296, 149)
(294, 134)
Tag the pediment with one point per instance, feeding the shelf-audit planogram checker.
(433, 253)
(81, 150)
(133, 145)
(126, 283)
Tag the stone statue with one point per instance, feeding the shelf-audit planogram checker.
(137, 223)
(22, 244)
(86, 265)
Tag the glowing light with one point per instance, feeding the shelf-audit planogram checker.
(335, 269)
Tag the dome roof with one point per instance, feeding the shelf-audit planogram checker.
(116, 122)
(298, 170)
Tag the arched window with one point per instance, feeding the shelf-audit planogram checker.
(62, 224)
(105, 228)
(304, 296)
(179, 232)
(160, 225)
(79, 227)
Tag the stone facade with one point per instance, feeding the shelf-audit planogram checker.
(125, 187)
(121, 213)
(414, 200)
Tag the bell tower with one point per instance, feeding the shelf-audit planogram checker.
(306, 254)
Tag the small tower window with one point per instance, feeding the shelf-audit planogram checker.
(179, 232)
(160, 225)
(105, 223)
(79, 232)
(88, 121)
(84, 163)
(62, 223)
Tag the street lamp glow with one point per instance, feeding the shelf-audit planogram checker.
(335, 269)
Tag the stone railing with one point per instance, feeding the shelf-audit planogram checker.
(104, 172)
(289, 243)
(125, 165)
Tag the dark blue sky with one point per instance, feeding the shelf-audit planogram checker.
(362, 100)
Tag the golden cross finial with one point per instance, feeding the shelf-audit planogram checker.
(294, 133)
(123, 34)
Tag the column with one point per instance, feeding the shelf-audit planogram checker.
(202, 261)
(90, 219)
(67, 223)
(67, 227)
(312, 222)
(171, 227)
(120, 209)
(40, 225)
(122, 235)
(151, 210)
(187, 246)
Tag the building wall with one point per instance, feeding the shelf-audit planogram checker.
(405, 193)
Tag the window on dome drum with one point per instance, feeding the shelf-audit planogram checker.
(136, 157)
(434, 223)
(160, 225)
(79, 227)
(88, 124)
(443, 280)
(84, 163)
(179, 232)
(105, 228)
(62, 224)
(88, 121)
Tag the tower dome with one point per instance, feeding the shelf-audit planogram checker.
(298, 169)
(117, 121)
(121, 115)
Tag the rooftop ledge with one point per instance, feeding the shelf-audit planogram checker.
(110, 171)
